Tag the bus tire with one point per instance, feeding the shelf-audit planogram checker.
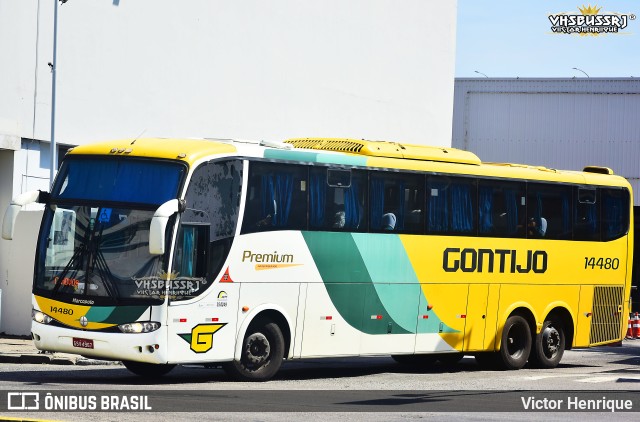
(261, 355)
(515, 343)
(549, 346)
(148, 370)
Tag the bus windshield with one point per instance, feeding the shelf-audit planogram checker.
(118, 179)
(94, 241)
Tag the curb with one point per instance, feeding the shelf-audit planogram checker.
(42, 358)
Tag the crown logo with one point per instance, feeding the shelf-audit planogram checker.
(589, 10)
(163, 275)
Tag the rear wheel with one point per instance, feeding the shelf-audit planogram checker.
(262, 353)
(148, 370)
(516, 343)
(549, 345)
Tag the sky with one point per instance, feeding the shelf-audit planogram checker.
(513, 38)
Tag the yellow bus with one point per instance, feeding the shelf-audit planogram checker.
(158, 252)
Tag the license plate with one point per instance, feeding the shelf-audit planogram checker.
(83, 342)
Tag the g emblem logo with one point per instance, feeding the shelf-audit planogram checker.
(201, 337)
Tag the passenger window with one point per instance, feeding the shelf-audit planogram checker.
(586, 224)
(451, 205)
(501, 208)
(396, 202)
(615, 213)
(549, 211)
(276, 198)
(336, 207)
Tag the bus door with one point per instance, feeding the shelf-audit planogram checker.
(202, 315)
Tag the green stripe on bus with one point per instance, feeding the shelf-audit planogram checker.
(349, 283)
(115, 314)
(314, 157)
(376, 269)
(395, 280)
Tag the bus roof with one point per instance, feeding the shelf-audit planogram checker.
(187, 150)
(387, 149)
(344, 151)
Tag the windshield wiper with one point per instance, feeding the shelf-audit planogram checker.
(96, 261)
(105, 275)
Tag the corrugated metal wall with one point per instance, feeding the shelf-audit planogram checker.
(558, 123)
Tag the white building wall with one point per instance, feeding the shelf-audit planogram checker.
(252, 69)
(376, 69)
(557, 123)
(16, 287)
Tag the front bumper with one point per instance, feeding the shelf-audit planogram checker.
(143, 347)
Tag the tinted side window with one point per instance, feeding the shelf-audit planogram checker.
(276, 197)
(501, 208)
(549, 211)
(451, 205)
(396, 202)
(213, 197)
(615, 213)
(586, 223)
(208, 224)
(337, 207)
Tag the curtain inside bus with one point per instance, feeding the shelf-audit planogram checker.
(277, 189)
(120, 180)
(317, 200)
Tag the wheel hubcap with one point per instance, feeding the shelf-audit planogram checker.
(257, 349)
(515, 342)
(550, 341)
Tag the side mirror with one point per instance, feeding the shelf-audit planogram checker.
(158, 227)
(14, 208)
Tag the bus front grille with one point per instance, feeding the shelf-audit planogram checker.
(606, 319)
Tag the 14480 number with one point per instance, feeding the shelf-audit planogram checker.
(601, 263)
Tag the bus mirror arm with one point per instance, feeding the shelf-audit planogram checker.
(158, 228)
(14, 208)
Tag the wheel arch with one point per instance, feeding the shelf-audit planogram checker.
(266, 312)
(564, 316)
(522, 310)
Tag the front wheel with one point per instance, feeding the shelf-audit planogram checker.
(262, 353)
(549, 346)
(516, 343)
(147, 370)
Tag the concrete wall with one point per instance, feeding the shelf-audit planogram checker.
(17, 275)
(376, 69)
(6, 191)
(31, 167)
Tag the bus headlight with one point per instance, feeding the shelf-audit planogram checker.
(139, 327)
(40, 317)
